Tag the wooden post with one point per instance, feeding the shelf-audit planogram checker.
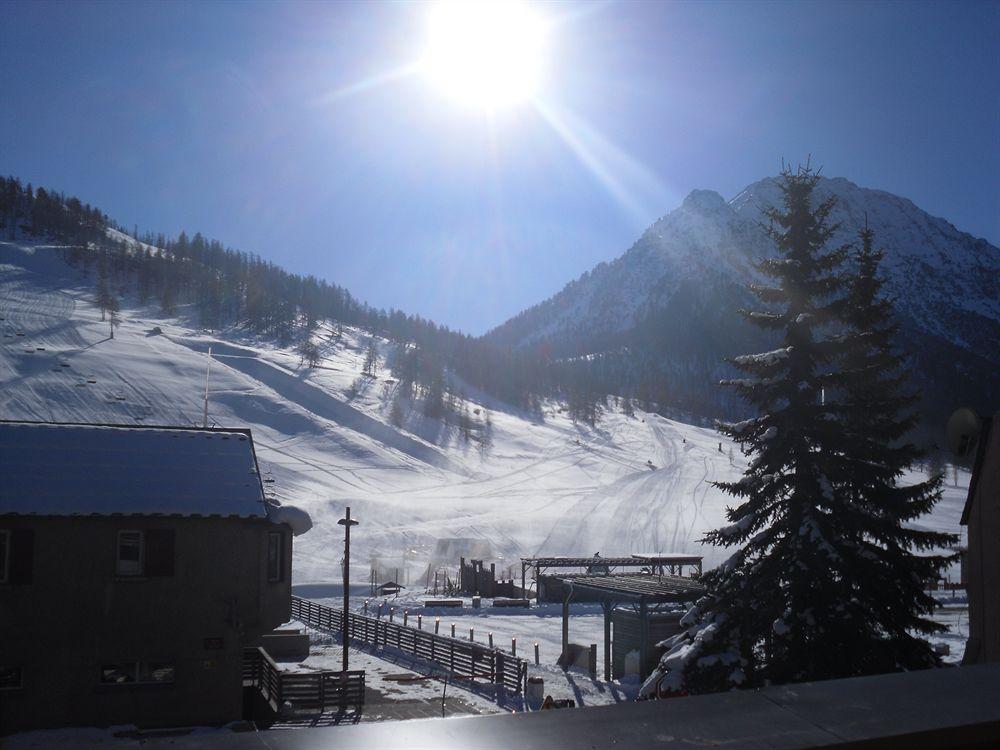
(593, 660)
(565, 621)
(536, 653)
(437, 625)
(513, 645)
(347, 522)
(643, 635)
(607, 640)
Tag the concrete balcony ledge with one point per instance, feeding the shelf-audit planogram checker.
(949, 707)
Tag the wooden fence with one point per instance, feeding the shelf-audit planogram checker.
(462, 658)
(310, 690)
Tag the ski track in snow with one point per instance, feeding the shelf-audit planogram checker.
(547, 487)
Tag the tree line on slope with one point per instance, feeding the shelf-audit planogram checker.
(223, 287)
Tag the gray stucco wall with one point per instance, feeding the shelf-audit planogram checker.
(77, 614)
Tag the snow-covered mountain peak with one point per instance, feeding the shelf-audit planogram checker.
(688, 273)
(705, 201)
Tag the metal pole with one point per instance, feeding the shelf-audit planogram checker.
(607, 640)
(208, 369)
(347, 522)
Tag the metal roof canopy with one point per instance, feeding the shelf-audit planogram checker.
(638, 560)
(651, 589)
(667, 562)
(640, 590)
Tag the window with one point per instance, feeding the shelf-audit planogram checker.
(136, 672)
(274, 566)
(4, 556)
(119, 674)
(11, 678)
(156, 671)
(129, 558)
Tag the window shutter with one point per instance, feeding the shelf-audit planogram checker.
(159, 553)
(22, 555)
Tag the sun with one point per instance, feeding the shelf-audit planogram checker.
(485, 53)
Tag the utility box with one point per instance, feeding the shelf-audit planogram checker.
(628, 627)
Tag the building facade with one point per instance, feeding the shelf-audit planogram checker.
(135, 566)
(981, 562)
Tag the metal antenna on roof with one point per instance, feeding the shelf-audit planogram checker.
(208, 369)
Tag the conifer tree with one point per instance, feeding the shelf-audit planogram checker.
(396, 412)
(104, 297)
(809, 592)
(882, 620)
(371, 360)
(309, 353)
(113, 308)
(768, 604)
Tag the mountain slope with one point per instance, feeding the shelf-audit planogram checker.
(324, 437)
(672, 298)
(522, 485)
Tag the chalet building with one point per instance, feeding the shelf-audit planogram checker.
(136, 563)
(981, 563)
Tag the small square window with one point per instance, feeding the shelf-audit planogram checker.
(128, 561)
(4, 555)
(11, 678)
(274, 561)
(122, 673)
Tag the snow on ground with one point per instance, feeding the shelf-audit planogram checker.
(541, 624)
(384, 668)
(324, 441)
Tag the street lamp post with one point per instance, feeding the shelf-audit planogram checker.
(347, 522)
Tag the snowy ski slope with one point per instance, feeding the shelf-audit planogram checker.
(548, 486)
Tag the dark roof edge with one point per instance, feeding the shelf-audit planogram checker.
(189, 428)
(133, 514)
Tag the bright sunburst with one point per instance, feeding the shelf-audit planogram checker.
(485, 53)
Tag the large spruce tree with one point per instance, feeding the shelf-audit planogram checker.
(884, 617)
(813, 590)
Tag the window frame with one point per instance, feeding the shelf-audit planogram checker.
(5, 556)
(142, 553)
(277, 575)
(139, 672)
(115, 665)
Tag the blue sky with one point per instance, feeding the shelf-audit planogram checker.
(244, 121)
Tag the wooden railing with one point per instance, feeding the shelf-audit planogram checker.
(310, 690)
(461, 658)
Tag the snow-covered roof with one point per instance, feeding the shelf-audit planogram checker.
(64, 469)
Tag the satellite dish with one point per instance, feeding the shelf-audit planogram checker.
(962, 431)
